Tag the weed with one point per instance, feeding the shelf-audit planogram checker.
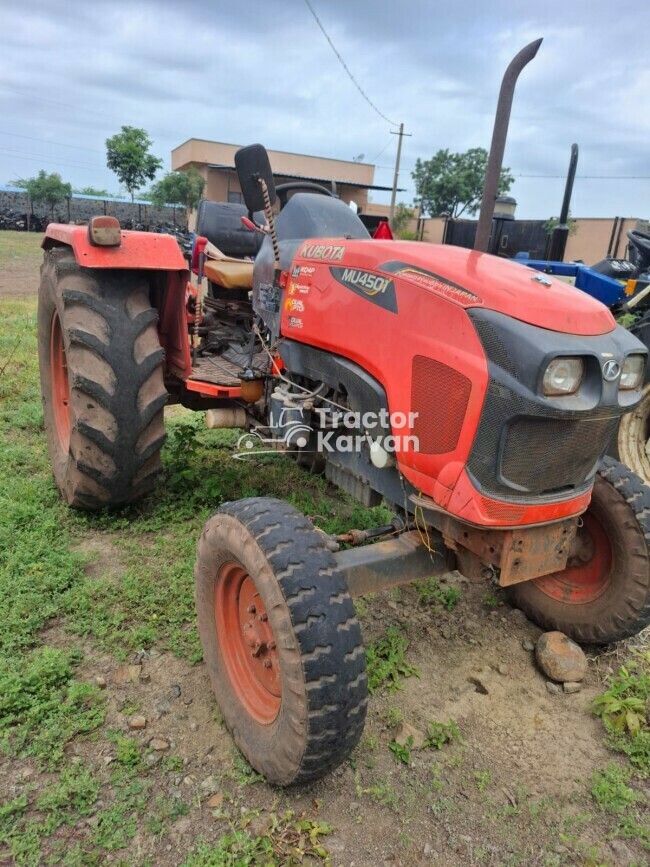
(610, 790)
(624, 708)
(288, 841)
(439, 734)
(483, 779)
(402, 752)
(164, 812)
(243, 773)
(431, 592)
(392, 716)
(42, 707)
(386, 663)
(384, 795)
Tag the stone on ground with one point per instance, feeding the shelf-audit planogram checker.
(560, 658)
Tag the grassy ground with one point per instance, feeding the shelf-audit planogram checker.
(98, 628)
(23, 247)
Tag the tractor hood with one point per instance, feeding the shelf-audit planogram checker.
(471, 279)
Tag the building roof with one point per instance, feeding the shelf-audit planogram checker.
(314, 179)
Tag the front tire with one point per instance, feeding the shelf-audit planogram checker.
(280, 639)
(603, 594)
(102, 385)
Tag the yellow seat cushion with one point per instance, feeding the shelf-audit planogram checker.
(230, 273)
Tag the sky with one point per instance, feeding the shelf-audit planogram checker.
(71, 73)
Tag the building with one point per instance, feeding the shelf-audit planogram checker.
(215, 162)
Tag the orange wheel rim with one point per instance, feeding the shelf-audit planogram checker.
(247, 643)
(588, 573)
(59, 383)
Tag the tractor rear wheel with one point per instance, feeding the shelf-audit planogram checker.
(603, 594)
(280, 639)
(101, 382)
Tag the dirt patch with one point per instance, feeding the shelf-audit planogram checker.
(469, 803)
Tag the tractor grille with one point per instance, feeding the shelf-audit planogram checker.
(524, 451)
(545, 454)
(439, 396)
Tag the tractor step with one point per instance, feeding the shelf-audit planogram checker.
(220, 371)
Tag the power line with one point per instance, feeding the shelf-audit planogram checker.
(48, 141)
(344, 65)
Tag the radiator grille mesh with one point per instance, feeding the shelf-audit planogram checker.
(439, 396)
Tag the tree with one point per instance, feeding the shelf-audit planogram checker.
(94, 191)
(452, 183)
(46, 189)
(127, 154)
(401, 218)
(551, 224)
(178, 188)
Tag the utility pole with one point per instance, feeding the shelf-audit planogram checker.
(401, 135)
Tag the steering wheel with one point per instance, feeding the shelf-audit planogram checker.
(641, 241)
(282, 190)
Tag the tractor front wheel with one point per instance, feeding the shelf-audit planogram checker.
(603, 594)
(102, 383)
(280, 639)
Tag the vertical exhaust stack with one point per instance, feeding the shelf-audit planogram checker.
(497, 148)
(560, 234)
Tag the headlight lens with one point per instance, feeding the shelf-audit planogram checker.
(563, 376)
(633, 370)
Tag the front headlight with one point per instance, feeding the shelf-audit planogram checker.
(563, 376)
(633, 370)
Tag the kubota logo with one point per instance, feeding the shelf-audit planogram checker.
(323, 251)
(611, 370)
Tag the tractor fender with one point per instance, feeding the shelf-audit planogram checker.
(138, 250)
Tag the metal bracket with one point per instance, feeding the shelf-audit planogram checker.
(405, 558)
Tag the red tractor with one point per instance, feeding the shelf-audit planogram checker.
(473, 396)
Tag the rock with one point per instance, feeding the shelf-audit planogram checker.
(210, 784)
(572, 687)
(428, 849)
(502, 669)
(162, 707)
(159, 744)
(137, 722)
(553, 688)
(145, 678)
(126, 674)
(518, 616)
(560, 658)
(193, 727)
(176, 690)
(215, 801)
(100, 682)
(528, 644)
(406, 731)
(108, 760)
(188, 781)
(153, 758)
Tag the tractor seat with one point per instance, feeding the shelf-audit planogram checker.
(229, 273)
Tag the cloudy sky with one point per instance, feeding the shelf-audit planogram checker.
(260, 70)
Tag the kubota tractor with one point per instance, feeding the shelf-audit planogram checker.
(438, 379)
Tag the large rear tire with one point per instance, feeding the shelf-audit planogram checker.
(603, 595)
(632, 443)
(281, 640)
(101, 382)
